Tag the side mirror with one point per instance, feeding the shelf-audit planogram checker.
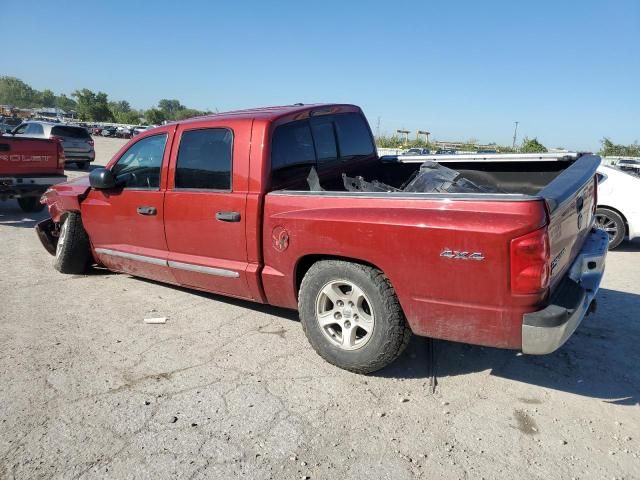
(101, 178)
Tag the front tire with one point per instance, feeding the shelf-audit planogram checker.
(351, 316)
(73, 254)
(30, 204)
(612, 223)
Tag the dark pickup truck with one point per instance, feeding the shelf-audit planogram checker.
(28, 166)
(292, 206)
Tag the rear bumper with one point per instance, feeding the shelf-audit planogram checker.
(79, 156)
(27, 186)
(547, 330)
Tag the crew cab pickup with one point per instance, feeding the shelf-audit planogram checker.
(28, 166)
(292, 206)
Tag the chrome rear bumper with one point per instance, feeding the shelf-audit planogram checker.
(547, 330)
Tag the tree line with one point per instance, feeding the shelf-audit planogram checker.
(96, 107)
(91, 106)
(528, 145)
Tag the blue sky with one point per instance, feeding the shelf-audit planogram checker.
(568, 71)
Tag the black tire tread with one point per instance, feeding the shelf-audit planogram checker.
(397, 333)
(30, 204)
(76, 254)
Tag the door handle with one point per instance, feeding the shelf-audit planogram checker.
(228, 216)
(147, 210)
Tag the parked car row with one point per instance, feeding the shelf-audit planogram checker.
(629, 165)
(118, 131)
(7, 124)
(426, 151)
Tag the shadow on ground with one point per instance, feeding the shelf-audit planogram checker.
(12, 215)
(258, 307)
(600, 360)
(629, 246)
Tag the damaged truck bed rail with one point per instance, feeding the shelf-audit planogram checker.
(479, 157)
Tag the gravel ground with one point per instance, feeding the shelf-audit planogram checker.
(227, 388)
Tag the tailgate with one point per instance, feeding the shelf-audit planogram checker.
(570, 199)
(26, 156)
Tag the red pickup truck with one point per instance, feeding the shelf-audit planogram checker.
(28, 166)
(292, 206)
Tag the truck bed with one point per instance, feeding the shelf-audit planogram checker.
(405, 234)
(516, 174)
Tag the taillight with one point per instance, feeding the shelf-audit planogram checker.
(61, 158)
(90, 141)
(530, 263)
(595, 193)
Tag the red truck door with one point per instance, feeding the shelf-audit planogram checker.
(205, 207)
(125, 224)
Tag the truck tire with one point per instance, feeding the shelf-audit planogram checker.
(351, 316)
(30, 204)
(82, 165)
(612, 223)
(72, 250)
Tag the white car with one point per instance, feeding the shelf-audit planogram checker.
(138, 130)
(618, 211)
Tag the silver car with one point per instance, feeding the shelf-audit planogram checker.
(76, 141)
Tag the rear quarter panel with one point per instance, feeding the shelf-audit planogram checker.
(461, 300)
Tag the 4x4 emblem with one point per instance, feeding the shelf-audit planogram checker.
(461, 255)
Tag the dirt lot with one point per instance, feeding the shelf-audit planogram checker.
(228, 389)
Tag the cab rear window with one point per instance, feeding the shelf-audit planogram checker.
(319, 140)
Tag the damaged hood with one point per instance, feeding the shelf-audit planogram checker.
(77, 186)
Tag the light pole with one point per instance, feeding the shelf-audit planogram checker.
(515, 134)
(406, 135)
(423, 132)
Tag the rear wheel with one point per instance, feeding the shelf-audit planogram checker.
(82, 165)
(351, 316)
(72, 250)
(612, 223)
(30, 204)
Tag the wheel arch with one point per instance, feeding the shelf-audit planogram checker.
(305, 262)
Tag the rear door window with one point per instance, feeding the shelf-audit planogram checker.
(204, 159)
(70, 132)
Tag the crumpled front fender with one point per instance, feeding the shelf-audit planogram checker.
(65, 197)
(46, 233)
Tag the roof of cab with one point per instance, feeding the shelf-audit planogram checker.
(265, 113)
